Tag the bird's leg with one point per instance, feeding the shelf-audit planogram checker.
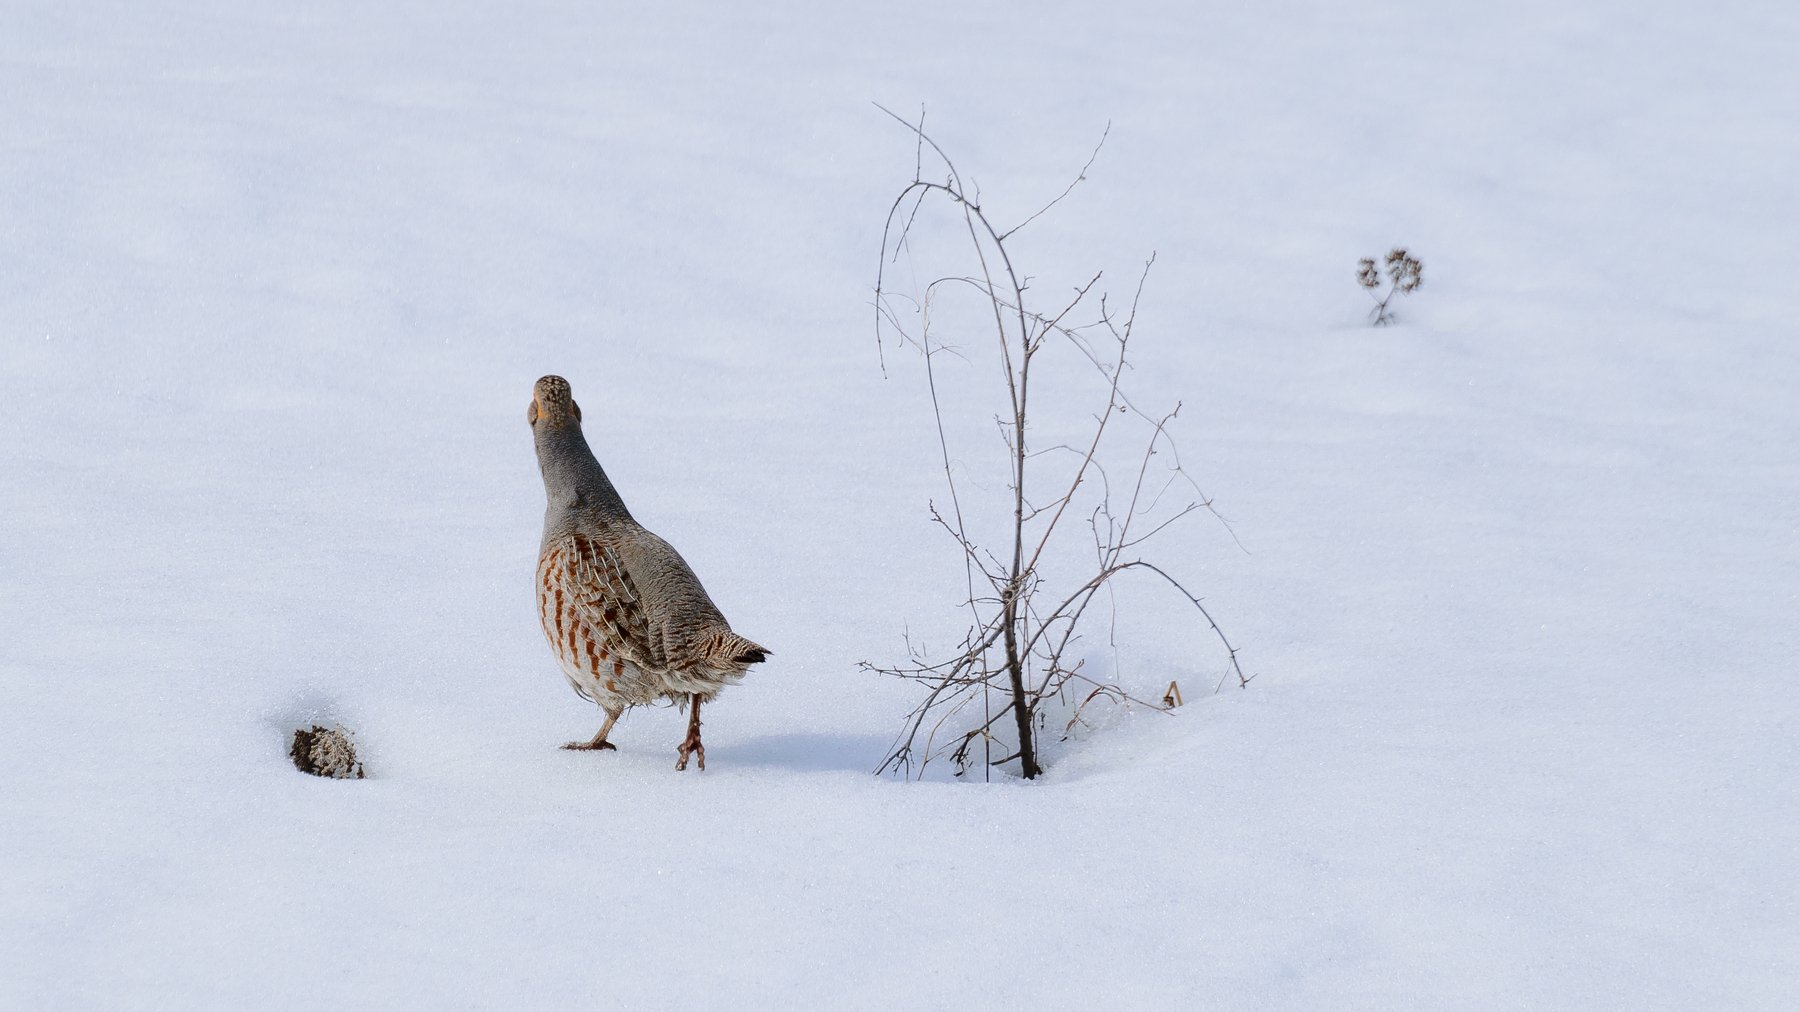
(599, 740)
(692, 744)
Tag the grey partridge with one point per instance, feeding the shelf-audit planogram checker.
(627, 619)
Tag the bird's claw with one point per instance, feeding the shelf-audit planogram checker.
(588, 746)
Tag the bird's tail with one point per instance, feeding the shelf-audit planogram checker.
(727, 649)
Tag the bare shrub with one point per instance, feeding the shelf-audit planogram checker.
(1026, 614)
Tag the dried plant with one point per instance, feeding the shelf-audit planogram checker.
(1025, 613)
(325, 752)
(1404, 277)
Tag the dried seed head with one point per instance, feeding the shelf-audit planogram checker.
(1366, 275)
(1411, 274)
(1397, 254)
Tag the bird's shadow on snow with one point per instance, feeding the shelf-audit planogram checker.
(812, 753)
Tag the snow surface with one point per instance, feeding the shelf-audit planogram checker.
(1519, 576)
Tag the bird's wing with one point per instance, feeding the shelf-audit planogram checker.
(605, 597)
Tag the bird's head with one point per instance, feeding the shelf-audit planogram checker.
(552, 405)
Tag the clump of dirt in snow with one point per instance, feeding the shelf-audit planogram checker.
(325, 752)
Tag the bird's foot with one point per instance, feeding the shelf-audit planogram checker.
(691, 744)
(590, 746)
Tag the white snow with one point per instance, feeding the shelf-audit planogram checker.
(1520, 574)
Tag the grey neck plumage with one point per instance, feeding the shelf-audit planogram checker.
(575, 486)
